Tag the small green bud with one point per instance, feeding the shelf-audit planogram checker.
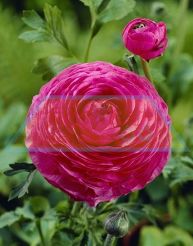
(117, 224)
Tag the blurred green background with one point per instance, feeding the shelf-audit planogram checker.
(173, 74)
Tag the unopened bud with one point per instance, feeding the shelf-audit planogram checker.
(117, 224)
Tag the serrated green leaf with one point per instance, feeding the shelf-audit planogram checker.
(116, 10)
(28, 167)
(181, 174)
(32, 19)
(55, 24)
(35, 36)
(51, 66)
(16, 191)
(8, 219)
(178, 172)
(12, 172)
(22, 188)
(19, 167)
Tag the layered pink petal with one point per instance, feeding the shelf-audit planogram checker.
(97, 131)
(145, 38)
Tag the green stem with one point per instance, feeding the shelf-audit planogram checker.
(109, 241)
(38, 225)
(88, 46)
(146, 70)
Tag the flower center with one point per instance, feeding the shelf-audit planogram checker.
(102, 115)
(138, 26)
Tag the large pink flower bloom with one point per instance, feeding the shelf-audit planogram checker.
(97, 131)
(145, 38)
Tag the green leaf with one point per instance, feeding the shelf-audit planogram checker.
(176, 236)
(87, 2)
(28, 233)
(49, 224)
(92, 3)
(151, 236)
(12, 172)
(61, 239)
(178, 172)
(35, 36)
(32, 19)
(28, 167)
(22, 188)
(182, 174)
(158, 184)
(55, 24)
(187, 160)
(169, 168)
(171, 235)
(53, 28)
(25, 211)
(19, 167)
(116, 10)
(51, 66)
(151, 213)
(92, 7)
(184, 218)
(8, 219)
(97, 3)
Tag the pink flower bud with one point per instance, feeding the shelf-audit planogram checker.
(145, 38)
(97, 131)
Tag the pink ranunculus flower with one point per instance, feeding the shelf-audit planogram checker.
(97, 131)
(145, 38)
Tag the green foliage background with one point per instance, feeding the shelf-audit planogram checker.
(159, 215)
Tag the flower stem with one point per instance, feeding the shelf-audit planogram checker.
(88, 46)
(38, 225)
(109, 241)
(146, 70)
